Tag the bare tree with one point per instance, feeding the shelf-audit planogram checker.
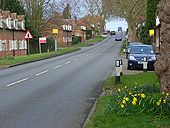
(133, 11)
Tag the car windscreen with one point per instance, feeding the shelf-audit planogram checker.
(142, 50)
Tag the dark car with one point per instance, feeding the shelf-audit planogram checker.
(130, 45)
(112, 33)
(137, 54)
(118, 38)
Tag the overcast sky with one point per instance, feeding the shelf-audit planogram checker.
(114, 24)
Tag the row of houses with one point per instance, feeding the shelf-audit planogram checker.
(12, 31)
(69, 27)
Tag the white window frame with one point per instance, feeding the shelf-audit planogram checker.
(15, 23)
(8, 22)
(23, 25)
(1, 46)
(4, 43)
(1, 22)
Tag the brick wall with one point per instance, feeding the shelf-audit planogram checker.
(7, 37)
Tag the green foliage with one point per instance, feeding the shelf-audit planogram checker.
(76, 39)
(12, 6)
(88, 34)
(150, 22)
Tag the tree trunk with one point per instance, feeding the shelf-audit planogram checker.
(132, 33)
(162, 66)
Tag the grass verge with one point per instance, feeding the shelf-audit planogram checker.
(90, 42)
(102, 118)
(6, 61)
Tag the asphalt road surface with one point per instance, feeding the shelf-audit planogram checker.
(56, 92)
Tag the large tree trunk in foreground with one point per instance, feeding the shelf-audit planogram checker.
(132, 34)
(162, 66)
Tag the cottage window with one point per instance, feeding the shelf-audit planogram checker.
(16, 24)
(8, 22)
(23, 25)
(0, 45)
(1, 21)
(4, 46)
(22, 44)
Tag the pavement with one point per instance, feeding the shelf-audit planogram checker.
(58, 92)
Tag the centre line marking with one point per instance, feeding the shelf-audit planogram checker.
(68, 62)
(57, 66)
(41, 73)
(76, 59)
(16, 82)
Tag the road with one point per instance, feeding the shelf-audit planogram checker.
(56, 92)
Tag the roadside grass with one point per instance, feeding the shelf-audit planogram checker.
(146, 78)
(103, 117)
(90, 41)
(95, 39)
(6, 61)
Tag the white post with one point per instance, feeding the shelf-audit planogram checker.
(56, 43)
(40, 47)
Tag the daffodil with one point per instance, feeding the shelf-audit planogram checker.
(126, 98)
(143, 95)
(119, 89)
(122, 106)
(158, 103)
(164, 101)
(130, 93)
(135, 94)
(139, 94)
(167, 94)
(134, 102)
(124, 101)
(125, 87)
(163, 93)
(135, 99)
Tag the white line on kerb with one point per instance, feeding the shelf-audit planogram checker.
(41, 73)
(16, 82)
(76, 59)
(68, 62)
(57, 66)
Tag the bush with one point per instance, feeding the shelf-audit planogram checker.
(76, 39)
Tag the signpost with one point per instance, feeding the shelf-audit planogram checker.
(42, 40)
(28, 36)
(55, 32)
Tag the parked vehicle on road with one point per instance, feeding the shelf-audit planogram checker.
(137, 54)
(130, 45)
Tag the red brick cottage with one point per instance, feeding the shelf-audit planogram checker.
(12, 31)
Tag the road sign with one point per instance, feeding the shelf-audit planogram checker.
(151, 32)
(28, 35)
(55, 31)
(42, 40)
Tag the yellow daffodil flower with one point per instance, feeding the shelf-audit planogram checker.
(119, 89)
(139, 94)
(130, 93)
(143, 95)
(126, 98)
(164, 101)
(124, 101)
(158, 103)
(122, 106)
(135, 99)
(125, 87)
(134, 102)
(167, 94)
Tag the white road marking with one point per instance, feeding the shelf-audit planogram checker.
(57, 66)
(41, 73)
(68, 62)
(76, 59)
(16, 82)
